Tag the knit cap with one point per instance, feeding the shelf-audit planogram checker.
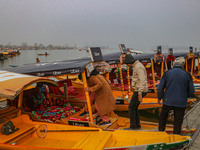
(129, 59)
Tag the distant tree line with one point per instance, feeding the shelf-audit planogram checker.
(25, 46)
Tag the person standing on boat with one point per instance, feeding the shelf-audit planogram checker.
(175, 86)
(139, 84)
(104, 99)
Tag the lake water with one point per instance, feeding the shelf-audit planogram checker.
(29, 56)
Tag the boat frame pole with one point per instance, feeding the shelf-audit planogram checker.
(87, 96)
(186, 64)
(107, 76)
(121, 79)
(162, 68)
(20, 100)
(153, 76)
(129, 81)
(192, 66)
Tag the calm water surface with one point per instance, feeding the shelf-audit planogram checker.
(29, 56)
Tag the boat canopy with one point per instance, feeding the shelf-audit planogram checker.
(53, 68)
(76, 66)
(5, 53)
(12, 84)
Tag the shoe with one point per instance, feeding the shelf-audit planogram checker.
(105, 123)
(83, 113)
(132, 128)
(128, 128)
(139, 127)
(93, 115)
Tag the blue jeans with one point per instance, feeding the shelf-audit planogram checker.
(133, 110)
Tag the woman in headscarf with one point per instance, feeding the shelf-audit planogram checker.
(104, 99)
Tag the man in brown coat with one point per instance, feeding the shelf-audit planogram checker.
(104, 99)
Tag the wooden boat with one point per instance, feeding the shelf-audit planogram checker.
(3, 55)
(26, 134)
(45, 54)
(12, 53)
(74, 67)
(33, 135)
(121, 83)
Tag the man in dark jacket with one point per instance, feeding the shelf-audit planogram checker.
(174, 88)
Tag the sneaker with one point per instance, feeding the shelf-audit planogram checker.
(83, 113)
(105, 123)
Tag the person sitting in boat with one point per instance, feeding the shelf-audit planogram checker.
(190, 58)
(37, 60)
(103, 99)
(159, 57)
(170, 58)
(40, 96)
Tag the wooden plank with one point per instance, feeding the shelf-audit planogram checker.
(21, 136)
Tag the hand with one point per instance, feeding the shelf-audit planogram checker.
(159, 101)
(87, 89)
(140, 97)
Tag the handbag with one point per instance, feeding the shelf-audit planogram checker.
(8, 128)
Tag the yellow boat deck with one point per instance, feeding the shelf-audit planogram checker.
(26, 137)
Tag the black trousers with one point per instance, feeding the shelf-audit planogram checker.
(178, 118)
(133, 110)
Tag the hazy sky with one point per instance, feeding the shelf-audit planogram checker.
(139, 24)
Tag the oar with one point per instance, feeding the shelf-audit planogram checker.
(42, 130)
(67, 130)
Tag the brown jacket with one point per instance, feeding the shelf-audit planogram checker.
(103, 94)
(139, 78)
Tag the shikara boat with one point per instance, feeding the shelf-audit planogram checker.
(121, 81)
(72, 94)
(12, 53)
(75, 67)
(3, 55)
(19, 132)
(120, 84)
(45, 54)
(31, 135)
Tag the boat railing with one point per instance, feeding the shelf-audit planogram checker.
(191, 117)
(194, 137)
